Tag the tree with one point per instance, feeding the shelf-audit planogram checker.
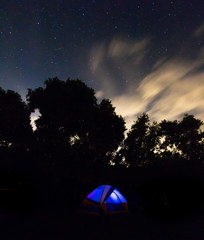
(139, 146)
(66, 106)
(15, 128)
(182, 139)
(72, 125)
(108, 133)
(190, 138)
(66, 111)
(169, 137)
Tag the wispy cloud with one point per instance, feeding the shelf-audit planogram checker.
(117, 48)
(199, 31)
(97, 57)
(115, 62)
(123, 48)
(173, 86)
(172, 89)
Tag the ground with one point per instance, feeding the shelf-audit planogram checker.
(51, 223)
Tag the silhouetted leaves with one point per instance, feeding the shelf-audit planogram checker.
(183, 139)
(142, 139)
(15, 129)
(74, 130)
(72, 125)
(169, 142)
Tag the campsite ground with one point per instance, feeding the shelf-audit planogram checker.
(58, 224)
(53, 216)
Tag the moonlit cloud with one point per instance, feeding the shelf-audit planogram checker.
(97, 57)
(115, 62)
(166, 93)
(99, 94)
(183, 94)
(34, 116)
(174, 86)
(199, 31)
(165, 77)
(117, 50)
(122, 48)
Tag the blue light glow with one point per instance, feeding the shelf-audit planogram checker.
(95, 195)
(122, 199)
(113, 198)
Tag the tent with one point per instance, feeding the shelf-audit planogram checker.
(104, 200)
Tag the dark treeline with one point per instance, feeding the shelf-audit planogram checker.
(76, 138)
(76, 131)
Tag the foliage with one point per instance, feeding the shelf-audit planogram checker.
(183, 138)
(75, 130)
(139, 146)
(72, 125)
(166, 143)
(15, 129)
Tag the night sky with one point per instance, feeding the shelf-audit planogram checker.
(146, 56)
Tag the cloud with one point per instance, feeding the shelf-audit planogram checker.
(99, 94)
(185, 95)
(165, 76)
(117, 48)
(97, 56)
(199, 31)
(34, 116)
(129, 106)
(115, 62)
(122, 48)
(172, 86)
(172, 89)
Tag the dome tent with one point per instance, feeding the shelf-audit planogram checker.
(104, 199)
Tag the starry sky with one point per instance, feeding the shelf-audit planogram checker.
(146, 56)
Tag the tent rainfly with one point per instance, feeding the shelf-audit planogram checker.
(104, 200)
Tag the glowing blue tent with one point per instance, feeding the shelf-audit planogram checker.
(104, 199)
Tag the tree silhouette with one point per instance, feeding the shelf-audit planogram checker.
(165, 143)
(190, 141)
(66, 110)
(72, 125)
(75, 130)
(15, 128)
(184, 138)
(139, 146)
(169, 137)
(108, 131)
